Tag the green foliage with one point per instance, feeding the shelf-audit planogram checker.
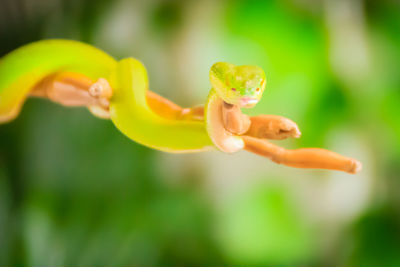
(263, 227)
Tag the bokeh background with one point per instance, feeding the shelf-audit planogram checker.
(75, 192)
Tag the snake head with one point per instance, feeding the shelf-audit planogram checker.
(238, 85)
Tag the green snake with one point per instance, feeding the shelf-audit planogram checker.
(24, 67)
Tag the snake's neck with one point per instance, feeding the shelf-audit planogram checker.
(220, 136)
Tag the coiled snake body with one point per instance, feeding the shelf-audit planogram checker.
(77, 74)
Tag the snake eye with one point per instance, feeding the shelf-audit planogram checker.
(234, 89)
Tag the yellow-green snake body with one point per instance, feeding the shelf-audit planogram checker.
(21, 69)
(24, 67)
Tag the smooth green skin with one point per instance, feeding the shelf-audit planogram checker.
(21, 69)
(235, 84)
(133, 117)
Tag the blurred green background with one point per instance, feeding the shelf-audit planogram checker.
(76, 192)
